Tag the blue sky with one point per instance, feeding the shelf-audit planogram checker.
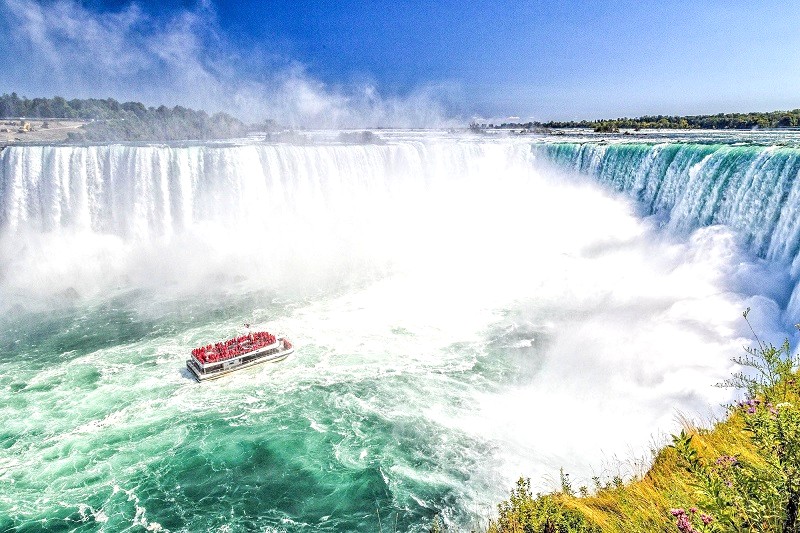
(374, 61)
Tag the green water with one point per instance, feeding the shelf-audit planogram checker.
(102, 426)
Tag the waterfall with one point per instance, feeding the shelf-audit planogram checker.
(752, 189)
(438, 288)
(330, 198)
(143, 192)
(160, 213)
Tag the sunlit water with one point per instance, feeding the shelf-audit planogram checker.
(466, 310)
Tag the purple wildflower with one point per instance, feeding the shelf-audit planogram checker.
(726, 460)
(685, 525)
(683, 522)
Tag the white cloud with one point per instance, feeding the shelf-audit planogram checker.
(64, 48)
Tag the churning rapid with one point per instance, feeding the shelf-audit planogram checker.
(466, 310)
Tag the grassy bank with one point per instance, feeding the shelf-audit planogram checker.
(743, 474)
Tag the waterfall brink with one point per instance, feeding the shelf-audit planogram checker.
(141, 193)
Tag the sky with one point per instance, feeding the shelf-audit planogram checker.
(409, 63)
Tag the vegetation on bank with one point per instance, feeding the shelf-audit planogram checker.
(109, 120)
(741, 475)
(721, 121)
(163, 124)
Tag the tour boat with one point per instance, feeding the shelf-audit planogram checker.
(216, 360)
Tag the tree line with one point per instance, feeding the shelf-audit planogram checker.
(109, 120)
(720, 121)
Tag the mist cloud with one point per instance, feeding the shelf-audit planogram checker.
(63, 48)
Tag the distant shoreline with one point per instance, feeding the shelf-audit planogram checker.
(720, 121)
(23, 130)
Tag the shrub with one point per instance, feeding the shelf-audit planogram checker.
(524, 513)
(761, 494)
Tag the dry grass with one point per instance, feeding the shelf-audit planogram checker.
(644, 505)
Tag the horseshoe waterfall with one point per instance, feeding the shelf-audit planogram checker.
(465, 310)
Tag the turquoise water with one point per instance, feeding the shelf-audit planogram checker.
(102, 426)
(463, 314)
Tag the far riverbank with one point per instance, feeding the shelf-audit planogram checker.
(14, 131)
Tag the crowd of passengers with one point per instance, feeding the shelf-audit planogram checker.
(233, 347)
